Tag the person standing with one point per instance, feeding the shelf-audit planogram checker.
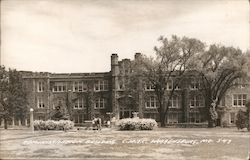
(99, 123)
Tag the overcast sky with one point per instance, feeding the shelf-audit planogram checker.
(80, 35)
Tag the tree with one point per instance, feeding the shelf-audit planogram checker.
(248, 115)
(219, 68)
(4, 94)
(173, 59)
(13, 95)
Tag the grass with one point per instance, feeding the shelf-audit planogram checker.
(109, 144)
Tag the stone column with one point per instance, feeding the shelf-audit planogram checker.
(31, 120)
(13, 121)
(115, 83)
(19, 122)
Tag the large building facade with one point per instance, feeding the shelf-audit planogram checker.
(88, 95)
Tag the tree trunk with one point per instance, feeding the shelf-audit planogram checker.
(161, 112)
(5, 123)
(162, 119)
(210, 122)
(208, 102)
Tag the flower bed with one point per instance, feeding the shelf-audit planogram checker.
(53, 125)
(137, 124)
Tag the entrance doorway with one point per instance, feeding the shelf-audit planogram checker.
(126, 113)
(126, 106)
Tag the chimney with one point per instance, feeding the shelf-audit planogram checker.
(137, 55)
(114, 64)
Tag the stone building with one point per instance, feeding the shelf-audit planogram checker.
(87, 95)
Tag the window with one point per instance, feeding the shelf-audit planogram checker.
(78, 118)
(239, 100)
(100, 103)
(196, 101)
(149, 87)
(121, 86)
(40, 103)
(101, 85)
(223, 101)
(151, 115)
(41, 118)
(195, 84)
(173, 118)
(40, 87)
(170, 85)
(232, 118)
(79, 86)
(53, 106)
(194, 117)
(151, 102)
(177, 87)
(241, 83)
(80, 104)
(59, 87)
(174, 102)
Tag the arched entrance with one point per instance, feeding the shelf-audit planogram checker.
(127, 106)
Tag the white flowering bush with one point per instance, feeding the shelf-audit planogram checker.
(137, 124)
(39, 125)
(53, 125)
(50, 124)
(65, 125)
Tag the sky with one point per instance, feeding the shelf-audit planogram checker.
(80, 35)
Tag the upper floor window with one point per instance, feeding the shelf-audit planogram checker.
(170, 84)
(174, 102)
(79, 86)
(100, 103)
(101, 85)
(177, 85)
(240, 83)
(121, 86)
(196, 101)
(80, 103)
(40, 86)
(40, 103)
(151, 102)
(149, 87)
(239, 100)
(59, 87)
(195, 84)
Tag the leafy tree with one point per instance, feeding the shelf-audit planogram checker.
(4, 94)
(173, 58)
(219, 68)
(248, 115)
(13, 95)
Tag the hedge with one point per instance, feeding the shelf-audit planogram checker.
(137, 124)
(53, 125)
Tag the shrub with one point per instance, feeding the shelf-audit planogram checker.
(65, 124)
(136, 124)
(53, 125)
(242, 120)
(39, 125)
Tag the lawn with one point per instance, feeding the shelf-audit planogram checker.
(162, 143)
